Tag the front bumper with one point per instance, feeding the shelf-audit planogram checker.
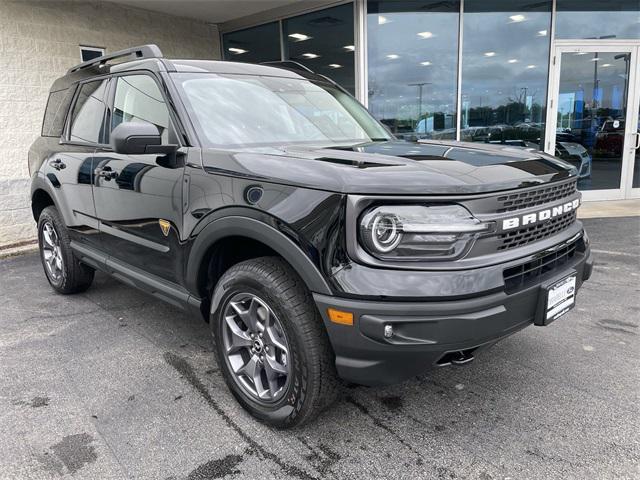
(427, 333)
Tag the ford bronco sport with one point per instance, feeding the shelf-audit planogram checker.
(268, 200)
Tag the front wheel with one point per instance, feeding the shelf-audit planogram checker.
(271, 344)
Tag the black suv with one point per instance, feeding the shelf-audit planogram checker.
(268, 200)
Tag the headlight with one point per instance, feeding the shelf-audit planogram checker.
(419, 232)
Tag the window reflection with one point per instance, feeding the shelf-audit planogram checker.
(253, 45)
(636, 162)
(412, 59)
(592, 101)
(323, 42)
(597, 19)
(504, 71)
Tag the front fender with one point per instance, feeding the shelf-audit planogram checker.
(254, 229)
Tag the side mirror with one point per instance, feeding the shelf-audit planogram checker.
(132, 138)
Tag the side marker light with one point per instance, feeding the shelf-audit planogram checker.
(338, 316)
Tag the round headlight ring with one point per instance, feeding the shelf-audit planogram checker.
(385, 233)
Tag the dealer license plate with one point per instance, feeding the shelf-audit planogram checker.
(561, 297)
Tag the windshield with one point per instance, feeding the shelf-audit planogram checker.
(248, 110)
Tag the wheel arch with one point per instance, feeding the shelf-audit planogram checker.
(43, 194)
(258, 234)
(40, 199)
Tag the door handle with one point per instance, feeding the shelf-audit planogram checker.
(106, 173)
(57, 164)
(636, 145)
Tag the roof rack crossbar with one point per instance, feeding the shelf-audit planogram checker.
(143, 51)
(289, 65)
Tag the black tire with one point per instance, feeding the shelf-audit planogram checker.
(73, 277)
(311, 383)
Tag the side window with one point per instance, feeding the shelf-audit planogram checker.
(138, 99)
(56, 111)
(88, 113)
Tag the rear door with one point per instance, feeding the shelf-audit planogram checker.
(70, 169)
(138, 200)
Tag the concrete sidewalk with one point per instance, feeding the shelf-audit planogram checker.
(113, 384)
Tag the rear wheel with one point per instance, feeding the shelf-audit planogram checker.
(62, 269)
(271, 344)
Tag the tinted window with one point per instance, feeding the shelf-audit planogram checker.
(138, 99)
(89, 53)
(413, 66)
(505, 59)
(323, 42)
(88, 113)
(597, 19)
(55, 113)
(253, 45)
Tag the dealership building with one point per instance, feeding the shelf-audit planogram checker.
(559, 75)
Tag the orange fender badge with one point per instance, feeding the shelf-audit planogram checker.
(165, 226)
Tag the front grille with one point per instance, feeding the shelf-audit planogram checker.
(525, 235)
(520, 276)
(537, 196)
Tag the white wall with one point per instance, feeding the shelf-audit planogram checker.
(39, 41)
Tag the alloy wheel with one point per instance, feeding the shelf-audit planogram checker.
(51, 251)
(255, 347)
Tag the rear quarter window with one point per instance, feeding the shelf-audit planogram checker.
(56, 112)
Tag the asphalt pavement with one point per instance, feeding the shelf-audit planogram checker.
(113, 384)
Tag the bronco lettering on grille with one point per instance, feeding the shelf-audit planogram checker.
(542, 215)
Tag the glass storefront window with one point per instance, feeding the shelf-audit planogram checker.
(597, 19)
(253, 45)
(412, 60)
(323, 42)
(505, 63)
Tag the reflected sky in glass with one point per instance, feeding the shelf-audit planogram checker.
(504, 71)
(618, 19)
(412, 60)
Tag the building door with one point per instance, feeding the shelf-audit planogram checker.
(592, 115)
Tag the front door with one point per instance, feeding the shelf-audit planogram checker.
(592, 118)
(138, 199)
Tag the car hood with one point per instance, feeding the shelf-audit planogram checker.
(392, 167)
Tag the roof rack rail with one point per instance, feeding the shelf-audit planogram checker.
(143, 51)
(289, 65)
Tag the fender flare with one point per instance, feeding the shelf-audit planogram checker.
(256, 230)
(40, 182)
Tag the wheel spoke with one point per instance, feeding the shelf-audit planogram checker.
(250, 368)
(54, 236)
(273, 338)
(252, 371)
(238, 338)
(249, 319)
(48, 238)
(253, 315)
(273, 386)
(272, 368)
